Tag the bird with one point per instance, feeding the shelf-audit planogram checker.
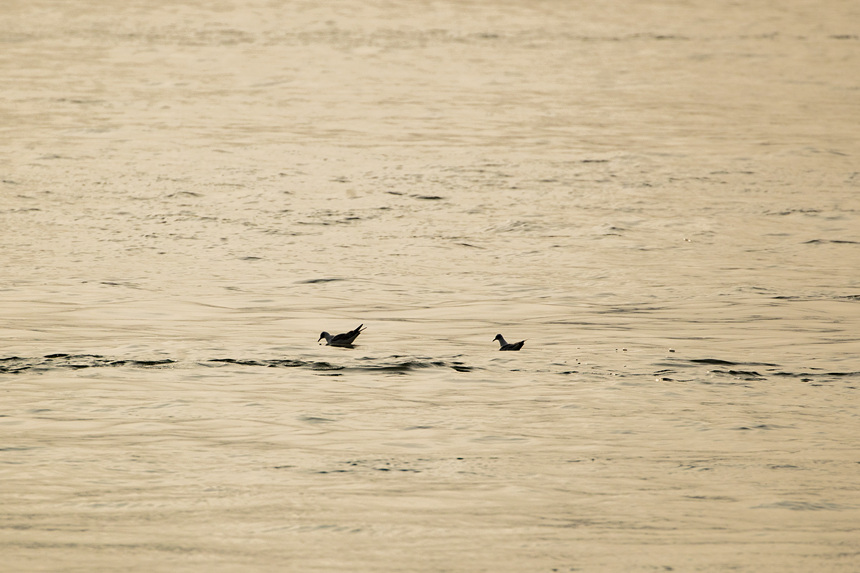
(344, 339)
(504, 343)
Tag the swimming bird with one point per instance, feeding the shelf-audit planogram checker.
(344, 339)
(504, 343)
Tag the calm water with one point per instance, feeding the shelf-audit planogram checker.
(662, 198)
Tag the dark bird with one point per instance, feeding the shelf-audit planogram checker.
(504, 343)
(344, 339)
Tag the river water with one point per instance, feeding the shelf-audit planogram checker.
(660, 197)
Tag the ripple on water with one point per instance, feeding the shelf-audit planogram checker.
(742, 371)
(61, 361)
(395, 364)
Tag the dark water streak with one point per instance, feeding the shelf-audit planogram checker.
(405, 365)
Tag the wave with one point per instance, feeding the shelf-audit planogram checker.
(395, 364)
(749, 371)
(668, 369)
(16, 364)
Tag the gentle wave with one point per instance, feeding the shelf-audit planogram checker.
(16, 364)
(396, 364)
(668, 369)
(747, 371)
(392, 365)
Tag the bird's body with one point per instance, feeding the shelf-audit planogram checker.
(506, 346)
(345, 339)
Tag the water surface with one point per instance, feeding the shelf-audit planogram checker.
(661, 198)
